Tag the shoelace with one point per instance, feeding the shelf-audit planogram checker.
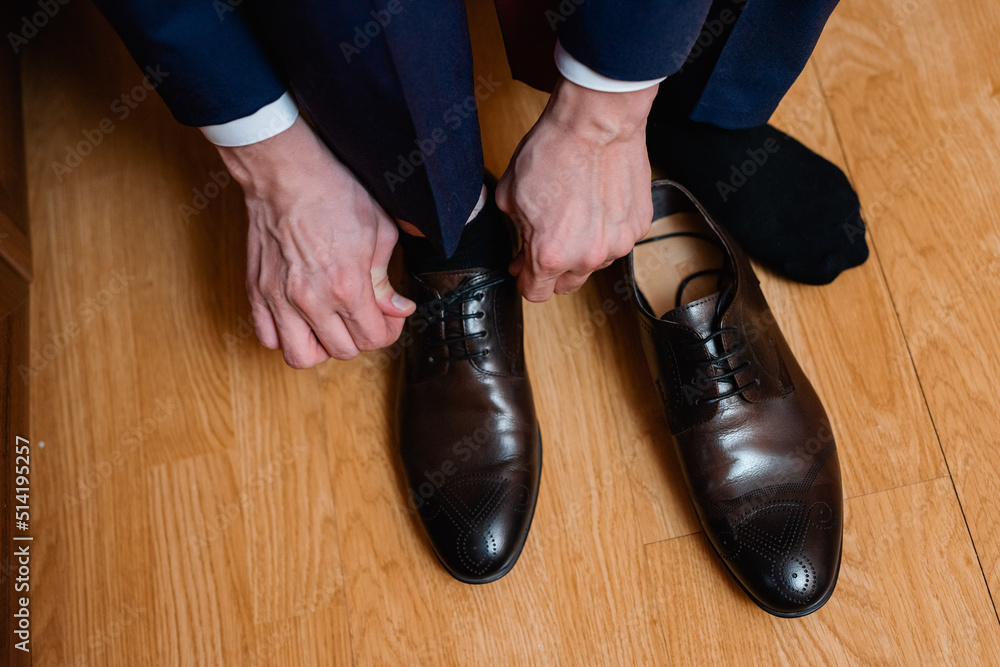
(713, 362)
(448, 309)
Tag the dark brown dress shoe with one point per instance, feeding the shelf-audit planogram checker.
(468, 435)
(752, 437)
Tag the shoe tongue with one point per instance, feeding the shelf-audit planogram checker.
(698, 315)
(444, 282)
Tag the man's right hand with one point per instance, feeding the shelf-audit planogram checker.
(318, 248)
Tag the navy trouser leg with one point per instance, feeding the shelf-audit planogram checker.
(389, 86)
(747, 56)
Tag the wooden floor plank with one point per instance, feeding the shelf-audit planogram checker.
(574, 553)
(86, 404)
(913, 91)
(200, 567)
(286, 502)
(150, 324)
(199, 503)
(848, 340)
(845, 335)
(898, 601)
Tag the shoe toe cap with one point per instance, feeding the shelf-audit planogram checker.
(478, 523)
(789, 568)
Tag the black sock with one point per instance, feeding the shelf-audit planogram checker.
(790, 209)
(485, 244)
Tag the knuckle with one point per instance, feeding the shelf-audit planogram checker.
(550, 259)
(303, 300)
(345, 291)
(296, 287)
(620, 249)
(534, 294)
(263, 291)
(296, 360)
(274, 296)
(595, 256)
(368, 344)
(344, 355)
(253, 289)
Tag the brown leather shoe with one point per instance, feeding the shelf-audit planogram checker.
(468, 435)
(754, 442)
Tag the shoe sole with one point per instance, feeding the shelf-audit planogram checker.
(517, 554)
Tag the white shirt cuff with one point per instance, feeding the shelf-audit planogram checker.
(269, 120)
(480, 205)
(581, 75)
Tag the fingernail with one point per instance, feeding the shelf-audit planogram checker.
(400, 301)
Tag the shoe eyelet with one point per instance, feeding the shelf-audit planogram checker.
(486, 352)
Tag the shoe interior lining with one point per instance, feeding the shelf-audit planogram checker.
(661, 266)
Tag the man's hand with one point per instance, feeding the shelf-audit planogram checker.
(578, 187)
(317, 251)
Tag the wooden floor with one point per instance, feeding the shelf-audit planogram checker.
(201, 504)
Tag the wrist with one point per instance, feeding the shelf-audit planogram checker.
(597, 116)
(267, 165)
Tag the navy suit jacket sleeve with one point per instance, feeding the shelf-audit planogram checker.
(212, 65)
(634, 40)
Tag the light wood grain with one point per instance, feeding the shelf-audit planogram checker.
(200, 503)
(583, 513)
(902, 548)
(844, 335)
(914, 96)
(886, 437)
